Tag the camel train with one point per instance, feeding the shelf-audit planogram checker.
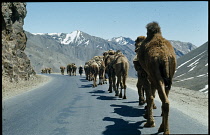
(46, 70)
(112, 63)
(71, 69)
(155, 63)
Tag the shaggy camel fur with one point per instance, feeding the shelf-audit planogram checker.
(86, 68)
(62, 70)
(94, 70)
(99, 60)
(69, 69)
(121, 67)
(157, 58)
(141, 74)
(109, 58)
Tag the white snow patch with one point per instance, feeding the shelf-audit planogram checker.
(190, 60)
(206, 64)
(201, 75)
(38, 33)
(87, 42)
(205, 88)
(185, 79)
(180, 75)
(52, 34)
(70, 37)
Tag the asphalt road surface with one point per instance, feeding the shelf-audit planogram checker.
(68, 105)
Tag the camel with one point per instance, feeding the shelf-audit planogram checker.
(69, 69)
(86, 68)
(94, 70)
(157, 58)
(62, 69)
(99, 60)
(80, 70)
(109, 57)
(121, 67)
(140, 72)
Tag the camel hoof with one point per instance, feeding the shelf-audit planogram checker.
(124, 97)
(166, 132)
(120, 96)
(142, 102)
(110, 91)
(161, 128)
(116, 94)
(149, 124)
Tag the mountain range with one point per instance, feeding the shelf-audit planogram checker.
(192, 70)
(58, 49)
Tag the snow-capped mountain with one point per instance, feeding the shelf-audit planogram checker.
(79, 38)
(79, 47)
(75, 37)
(192, 70)
(122, 40)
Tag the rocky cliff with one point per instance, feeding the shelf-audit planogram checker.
(15, 63)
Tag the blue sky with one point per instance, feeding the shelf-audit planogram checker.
(183, 21)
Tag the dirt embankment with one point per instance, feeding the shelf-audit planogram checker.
(10, 89)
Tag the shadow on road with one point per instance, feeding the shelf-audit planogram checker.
(86, 86)
(128, 111)
(100, 97)
(122, 127)
(84, 80)
(97, 91)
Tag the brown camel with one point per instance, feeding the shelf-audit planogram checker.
(109, 57)
(121, 67)
(69, 69)
(86, 68)
(62, 69)
(157, 58)
(94, 70)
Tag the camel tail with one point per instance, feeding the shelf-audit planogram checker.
(165, 73)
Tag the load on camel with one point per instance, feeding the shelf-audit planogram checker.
(157, 58)
(117, 65)
(62, 68)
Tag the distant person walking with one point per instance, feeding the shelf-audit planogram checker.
(80, 70)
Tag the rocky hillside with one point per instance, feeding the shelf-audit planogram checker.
(15, 63)
(58, 49)
(192, 70)
(55, 50)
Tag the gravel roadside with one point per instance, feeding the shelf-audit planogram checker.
(189, 102)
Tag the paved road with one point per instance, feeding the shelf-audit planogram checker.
(68, 105)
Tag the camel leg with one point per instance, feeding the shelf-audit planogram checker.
(110, 84)
(150, 100)
(114, 86)
(164, 127)
(140, 92)
(119, 82)
(124, 86)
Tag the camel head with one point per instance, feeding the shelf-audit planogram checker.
(152, 29)
(138, 42)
